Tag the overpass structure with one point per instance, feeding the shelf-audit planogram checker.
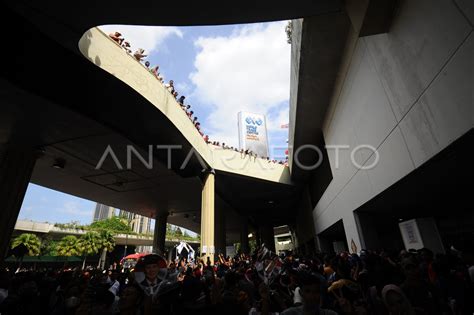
(392, 76)
(26, 226)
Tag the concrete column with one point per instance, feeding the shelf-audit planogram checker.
(219, 232)
(159, 236)
(16, 166)
(207, 217)
(244, 236)
(268, 237)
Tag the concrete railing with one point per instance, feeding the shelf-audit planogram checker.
(234, 162)
(105, 53)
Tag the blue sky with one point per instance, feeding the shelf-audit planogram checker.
(221, 70)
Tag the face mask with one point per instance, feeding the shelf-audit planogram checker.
(72, 302)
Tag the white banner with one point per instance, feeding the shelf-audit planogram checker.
(253, 133)
(411, 234)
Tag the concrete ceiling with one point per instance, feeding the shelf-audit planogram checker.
(58, 100)
(82, 15)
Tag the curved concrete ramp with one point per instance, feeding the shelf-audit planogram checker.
(99, 49)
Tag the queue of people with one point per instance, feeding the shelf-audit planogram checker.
(139, 55)
(247, 153)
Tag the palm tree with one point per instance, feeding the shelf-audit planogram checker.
(107, 244)
(68, 246)
(31, 241)
(89, 244)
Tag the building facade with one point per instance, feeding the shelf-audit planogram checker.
(103, 212)
(401, 112)
(138, 223)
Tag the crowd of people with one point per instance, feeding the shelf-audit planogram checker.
(247, 152)
(139, 55)
(371, 282)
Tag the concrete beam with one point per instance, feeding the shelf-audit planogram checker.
(370, 17)
(318, 45)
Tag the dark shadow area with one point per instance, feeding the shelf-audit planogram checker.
(89, 91)
(333, 239)
(441, 188)
(263, 201)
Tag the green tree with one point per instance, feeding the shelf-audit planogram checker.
(114, 224)
(49, 248)
(68, 246)
(107, 244)
(31, 241)
(89, 244)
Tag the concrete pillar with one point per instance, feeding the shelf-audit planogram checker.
(244, 236)
(159, 236)
(207, 217)
(16, 166)
(268, 237)
(219, 232)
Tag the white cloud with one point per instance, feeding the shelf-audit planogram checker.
(71, 207)
(182, 88)
(280, 117)
(147, 37)
(246, 71)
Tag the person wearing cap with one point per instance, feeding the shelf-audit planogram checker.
(153, 265)
(156, 290)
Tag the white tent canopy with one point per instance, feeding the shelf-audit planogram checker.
(185, 250)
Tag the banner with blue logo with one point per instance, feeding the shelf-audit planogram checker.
(253, 133)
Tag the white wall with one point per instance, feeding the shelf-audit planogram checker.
(409, 93)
